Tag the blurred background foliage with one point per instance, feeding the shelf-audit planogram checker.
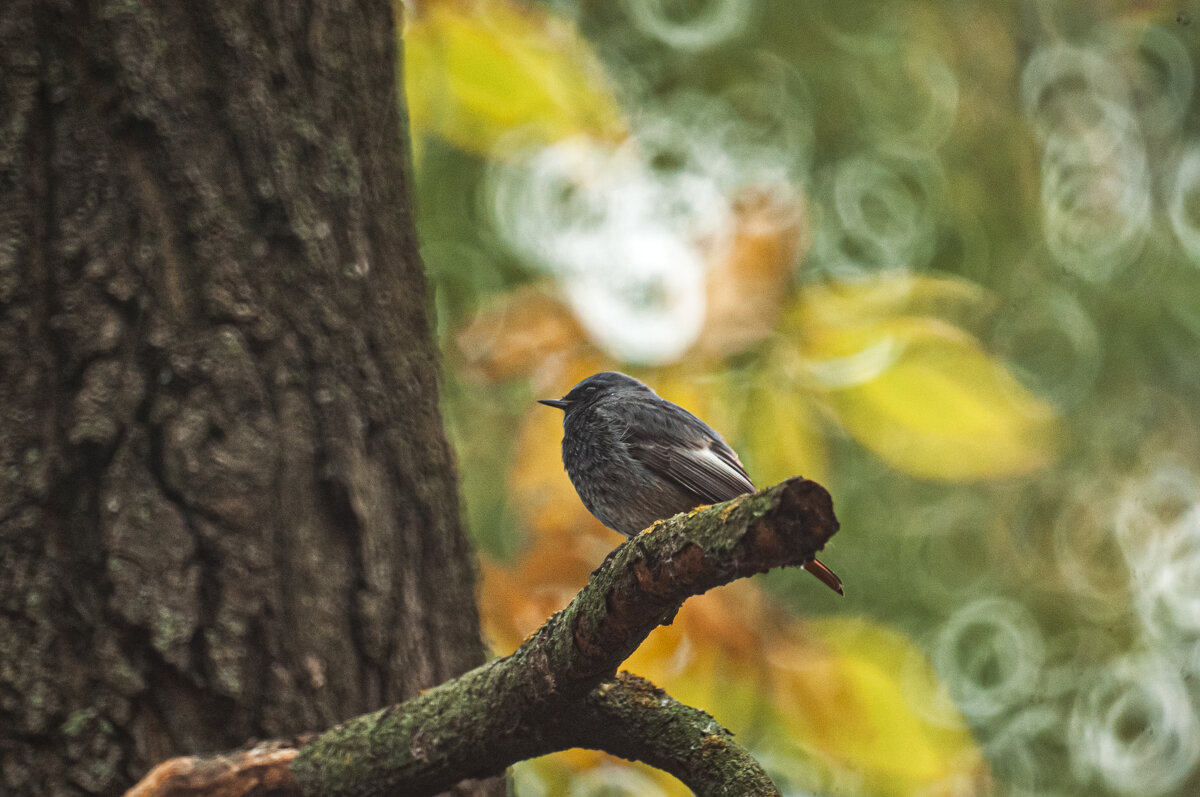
(942, 257)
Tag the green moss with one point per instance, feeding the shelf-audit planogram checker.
(170, 627)
(75, 724)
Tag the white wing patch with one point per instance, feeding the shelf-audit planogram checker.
(719, 464)
(710, 475)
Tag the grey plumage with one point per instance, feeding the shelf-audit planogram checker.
(635, 458)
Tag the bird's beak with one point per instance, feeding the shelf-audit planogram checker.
(560, 404)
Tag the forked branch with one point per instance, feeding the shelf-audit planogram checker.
(560, 689)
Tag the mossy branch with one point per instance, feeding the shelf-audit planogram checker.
(632, 718)
(560, 689)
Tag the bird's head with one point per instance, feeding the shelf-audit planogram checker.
(595, 388)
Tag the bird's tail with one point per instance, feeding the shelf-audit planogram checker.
(827, 576)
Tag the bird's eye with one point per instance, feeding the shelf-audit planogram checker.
(590, 387)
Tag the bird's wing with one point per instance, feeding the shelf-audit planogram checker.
(683, 449)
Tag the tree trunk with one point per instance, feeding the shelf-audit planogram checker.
(227, 507)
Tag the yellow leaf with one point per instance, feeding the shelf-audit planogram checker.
(476, 70)
(865, 700)
(916, 389)
(940, 408)
(887, 295)
(782, 435)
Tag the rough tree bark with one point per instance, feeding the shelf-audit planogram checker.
(227, 508)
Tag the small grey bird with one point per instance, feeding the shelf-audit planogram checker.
(635, 457)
